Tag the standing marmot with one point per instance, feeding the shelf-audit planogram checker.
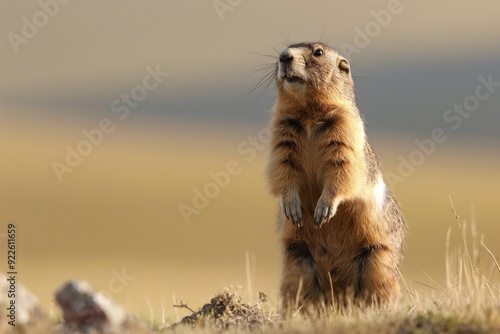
(341, 230)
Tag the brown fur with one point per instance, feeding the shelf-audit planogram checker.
(340, 240)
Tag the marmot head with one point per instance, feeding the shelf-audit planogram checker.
(314, 72)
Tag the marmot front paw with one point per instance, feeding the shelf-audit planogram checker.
(325, 209)
(291, 206)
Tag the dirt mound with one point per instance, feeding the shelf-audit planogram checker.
(226, 310)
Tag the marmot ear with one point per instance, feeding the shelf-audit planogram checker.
(344, 66)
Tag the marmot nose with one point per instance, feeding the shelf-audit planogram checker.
(286, 58)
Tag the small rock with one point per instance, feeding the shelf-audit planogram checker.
(27, 306)
(86, 310)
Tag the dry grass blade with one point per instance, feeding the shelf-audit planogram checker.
(447, 259)
(492, 256)
(466, 248)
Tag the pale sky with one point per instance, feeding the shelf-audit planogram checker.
(99, 44)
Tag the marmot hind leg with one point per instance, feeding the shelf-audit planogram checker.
(377, 278)
(300, 284)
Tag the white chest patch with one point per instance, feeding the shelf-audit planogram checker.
(380, 192)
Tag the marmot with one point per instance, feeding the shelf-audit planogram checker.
(340, 228)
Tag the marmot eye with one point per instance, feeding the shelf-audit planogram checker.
(318, 53)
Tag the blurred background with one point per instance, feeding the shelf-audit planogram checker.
(115, 116)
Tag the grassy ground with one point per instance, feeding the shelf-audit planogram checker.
(118, 211)
(468, 303)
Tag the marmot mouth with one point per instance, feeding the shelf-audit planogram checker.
(294, 79)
